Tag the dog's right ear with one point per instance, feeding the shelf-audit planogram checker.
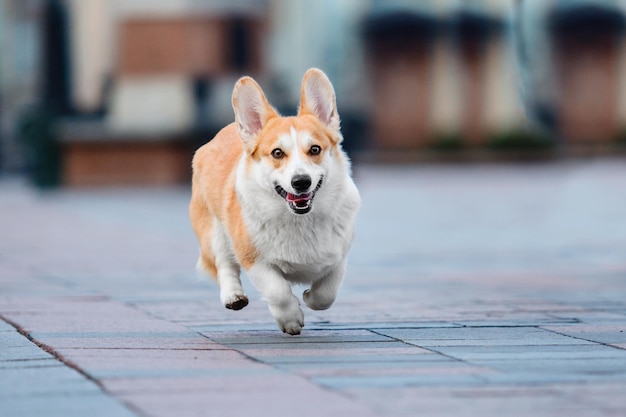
(252, 110)
(318, 98)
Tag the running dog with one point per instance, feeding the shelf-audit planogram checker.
(275, 196)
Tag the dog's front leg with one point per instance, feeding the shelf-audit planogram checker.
(324, 291)
(276, 290)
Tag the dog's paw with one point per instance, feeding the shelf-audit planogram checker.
(291, 323)
(293, 327)
(235, 301)
(315, 302)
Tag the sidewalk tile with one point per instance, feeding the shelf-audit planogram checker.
(609, 334)
(274, 395)
(400, 381)
(482, 336)
(5, 327)
(128, 362)
(85, 404)
(38, 381)
(510, 401)
(128, 340)
(523, 353)
(329, 337)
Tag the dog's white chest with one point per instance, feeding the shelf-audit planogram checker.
(304, 249)
(311, 243)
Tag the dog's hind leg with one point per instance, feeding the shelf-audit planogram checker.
(324, 291)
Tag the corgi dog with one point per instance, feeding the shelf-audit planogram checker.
(274, 195)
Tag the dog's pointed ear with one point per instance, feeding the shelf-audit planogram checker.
(318, 98)
(252, 110)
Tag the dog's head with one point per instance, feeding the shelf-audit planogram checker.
(289, 157)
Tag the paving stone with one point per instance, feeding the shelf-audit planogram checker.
(399, 381)
(367, 363)
(364, 357)
(30, 363)
(352, 345)
(317, 336)
(201, 382)
(22, 353)
(482, 336)
(13, 339)
(235, 326)
(515, 401)
(37, 381)
(257, 395)
(497, 290)
(280, 352)
(80, 315)
(85, 404)
(386, 373)
(609, 334)
(141, 362)
(605, 395)
(536, 321)
(595, 366)
(531, 353)
(112, 373)
(16, 347)
(128, 340)
(5, 327)
(380, 325)
(540, 378)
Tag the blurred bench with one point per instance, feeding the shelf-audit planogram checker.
(95, 155)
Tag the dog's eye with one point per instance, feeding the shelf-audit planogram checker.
(278, 153)
(315, 150)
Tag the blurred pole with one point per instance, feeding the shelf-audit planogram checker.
(36, 129)
(534, 58)
(91, 51)
(56, 69)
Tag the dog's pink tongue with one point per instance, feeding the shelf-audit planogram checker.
(296, 198)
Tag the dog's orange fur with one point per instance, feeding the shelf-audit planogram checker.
(215, 162)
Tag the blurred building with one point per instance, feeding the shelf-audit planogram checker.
(572, 58)
(127, 89)
(440, 71)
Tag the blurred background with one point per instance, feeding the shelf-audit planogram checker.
(110, 92)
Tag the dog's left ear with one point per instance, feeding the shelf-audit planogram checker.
(318, 98)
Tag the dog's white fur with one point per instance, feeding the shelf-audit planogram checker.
(242, 220)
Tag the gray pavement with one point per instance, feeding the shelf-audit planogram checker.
(478, 290)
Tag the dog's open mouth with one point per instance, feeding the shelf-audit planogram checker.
(299, 203)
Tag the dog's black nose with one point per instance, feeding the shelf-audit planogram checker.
(301, 183)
